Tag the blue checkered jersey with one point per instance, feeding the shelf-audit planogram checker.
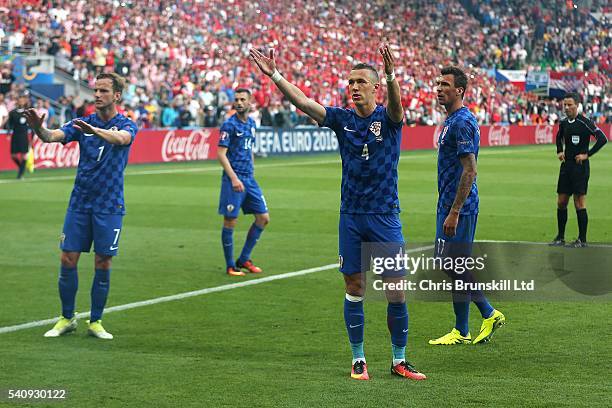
(460, 136)
(238, 137)
(98, 187)
(370, 150)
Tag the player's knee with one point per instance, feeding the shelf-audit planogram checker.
(69, 259)
(354, 287)
(562, 203)
(103, 261)
(395, 296)
(229, 222)
(262, 220)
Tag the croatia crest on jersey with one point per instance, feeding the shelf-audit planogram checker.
(375, 128)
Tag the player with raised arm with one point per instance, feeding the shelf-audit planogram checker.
(369, 138)
(573, 151)
(96, 208)
(238, 186)
(457, 210)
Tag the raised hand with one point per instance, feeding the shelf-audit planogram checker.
(83, 126)
(267, 65)
(387, 58)
(34, 121)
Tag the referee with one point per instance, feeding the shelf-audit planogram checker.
(20, 140)
(574, 133)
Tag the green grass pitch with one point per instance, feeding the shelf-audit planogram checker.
(283, 343)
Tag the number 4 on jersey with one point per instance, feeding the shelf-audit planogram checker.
(364, 153)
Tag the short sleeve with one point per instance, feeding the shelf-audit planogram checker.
(224, 135)
(131, 128)
(393, 125)
(332, 117)
(465, 140)
(71, 133)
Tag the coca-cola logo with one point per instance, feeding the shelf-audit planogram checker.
(186, 146)
(544, 134)
(55, 155)
(499, 135)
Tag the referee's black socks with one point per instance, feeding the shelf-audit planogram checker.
(583, 220)
(21, 170)
(561, 221)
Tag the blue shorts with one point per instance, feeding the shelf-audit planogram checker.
(80, 229)
(461, 243)
(251, 200)
(358, 229)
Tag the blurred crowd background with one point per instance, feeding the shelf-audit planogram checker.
(182, 59)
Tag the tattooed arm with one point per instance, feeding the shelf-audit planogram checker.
(468, 162)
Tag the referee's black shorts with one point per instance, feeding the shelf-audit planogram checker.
(19, 143)
(573, 178)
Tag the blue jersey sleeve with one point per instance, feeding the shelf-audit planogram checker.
(466, 136)
(393, 125)
(131, 128)
(224, 135)
(333, 118)
(71, 134)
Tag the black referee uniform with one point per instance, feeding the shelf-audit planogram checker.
(574, 137)
(17, 122)
(19, 140)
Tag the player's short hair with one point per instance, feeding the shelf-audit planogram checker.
(373, 72)
(460, 79)
(574, 96)
(243, 90)
(118, 81)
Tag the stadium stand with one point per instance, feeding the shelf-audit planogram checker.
(182, 59)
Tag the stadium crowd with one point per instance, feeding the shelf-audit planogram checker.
(182, 59)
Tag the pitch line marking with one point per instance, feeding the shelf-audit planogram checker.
(185, 295)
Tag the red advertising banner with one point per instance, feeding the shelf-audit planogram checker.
(160, 146)
(150, 146)
(426, 137)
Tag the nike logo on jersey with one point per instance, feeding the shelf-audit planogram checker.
(239, 134)
(88, 134)
(349, 130)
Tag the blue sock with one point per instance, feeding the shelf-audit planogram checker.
(461, 306)
(68, 284)
(99, 293)
(486, 310)
(227, 239)
(353, 318)
(252, 237)
(397, 321)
